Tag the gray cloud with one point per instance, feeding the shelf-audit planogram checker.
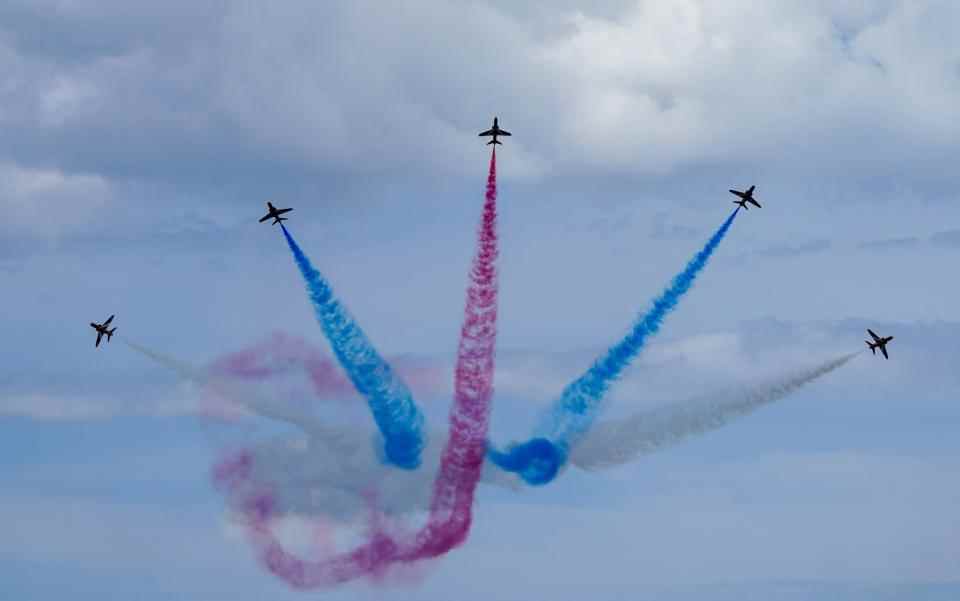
(778, 251)
(946, 239)
(904, 243)
(191, 89)
(665, 228)
(141, 141)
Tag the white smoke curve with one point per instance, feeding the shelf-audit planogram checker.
(322, 470)
(615, 443)
(332, 471)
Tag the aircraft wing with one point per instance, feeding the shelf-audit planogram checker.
(738, 193)
(874, 334)
(489, 132)
(883, 350)
(109, 319)
(282, 211)
(504, 132)
(264, 218)
(99, 336)
(753, 202)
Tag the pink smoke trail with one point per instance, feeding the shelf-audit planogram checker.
(282, 352)
(451, 509)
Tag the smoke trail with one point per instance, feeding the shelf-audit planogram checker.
(461, 462)
(329, 473)
(182, 368)
(325, 470)
(618, 442)
(237, 395)
(388, 397)
(539, 459)
(281, 353)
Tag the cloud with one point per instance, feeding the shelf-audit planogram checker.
(48, 202)
(946, 239)
(665, 228)
(922, 363)
(65, 406)
(777, 251)
(907, 242)
(628, 87)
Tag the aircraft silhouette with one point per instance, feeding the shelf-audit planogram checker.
(495, 131)
(275, 213)
(878, 343)
(745, 197)
(102, 328)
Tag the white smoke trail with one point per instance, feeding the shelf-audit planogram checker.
(323, 471)
(618, 442)
(183, 369)
(235, 398)
(333, 474)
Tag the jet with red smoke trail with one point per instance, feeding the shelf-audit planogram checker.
(494, 131)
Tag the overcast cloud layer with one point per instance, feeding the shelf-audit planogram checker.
(140, 143)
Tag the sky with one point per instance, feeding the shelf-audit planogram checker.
(140, 143)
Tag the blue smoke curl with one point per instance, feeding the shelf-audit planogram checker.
(540, 459)
(390, 401)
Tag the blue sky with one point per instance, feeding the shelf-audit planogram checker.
(140, 143)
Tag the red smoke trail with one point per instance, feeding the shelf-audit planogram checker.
(461, 465)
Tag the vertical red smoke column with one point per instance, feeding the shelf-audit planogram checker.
(462, 460)
(451, 509)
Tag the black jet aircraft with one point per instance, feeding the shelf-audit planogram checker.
(275, 213)
(494, 131)
(745, 197)
(878, 343)
(102, 328)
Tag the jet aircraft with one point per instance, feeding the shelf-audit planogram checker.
(275, 213)
(103, 328)
(878, 343)
(745, 197)
(495, 131)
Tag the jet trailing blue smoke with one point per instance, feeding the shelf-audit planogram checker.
(397, 416)
(539, 460)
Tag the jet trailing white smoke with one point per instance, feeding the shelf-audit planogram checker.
(618, 442)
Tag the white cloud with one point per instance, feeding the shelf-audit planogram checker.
(54, 406)
(642, 87)
(672, 83)
(48, 202)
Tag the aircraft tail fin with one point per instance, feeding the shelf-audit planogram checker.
(110, 333)
(872, 348)
(494, 142)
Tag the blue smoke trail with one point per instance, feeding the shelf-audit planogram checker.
(390, 401)
(539, 459)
